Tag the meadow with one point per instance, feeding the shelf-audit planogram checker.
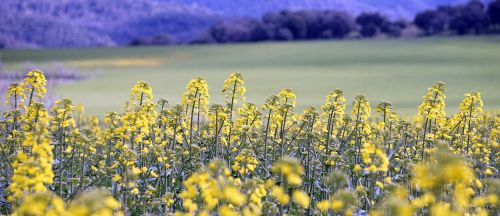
(371, 67)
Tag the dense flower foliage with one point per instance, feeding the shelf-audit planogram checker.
(198, 158)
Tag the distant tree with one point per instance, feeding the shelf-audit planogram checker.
(494, 12)
(393, 29)
(239, 30)
(258, 31)
(401, 23)
(291, 21)
(308, 24)
(204, 38)
(315, 22)
(371, 23)
(374, 19)
(337, 24)
(160, 39)
(431, 21)
(368, 30)
(448, 10)
(295, 23)
(283, 34)
(137, 42)
(471, 17)
(228, 31)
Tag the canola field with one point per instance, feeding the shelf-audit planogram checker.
(199, 157)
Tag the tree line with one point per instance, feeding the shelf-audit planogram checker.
(473, 17)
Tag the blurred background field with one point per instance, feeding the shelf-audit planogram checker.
(397, 70)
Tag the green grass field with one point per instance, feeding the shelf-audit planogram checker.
(395, 70)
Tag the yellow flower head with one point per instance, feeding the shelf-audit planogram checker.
(34, 84)
(16, 95)
(196, 95)
(290, 168)
(234, 89)
(301, 198)
(141, 93)
(433, 105)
